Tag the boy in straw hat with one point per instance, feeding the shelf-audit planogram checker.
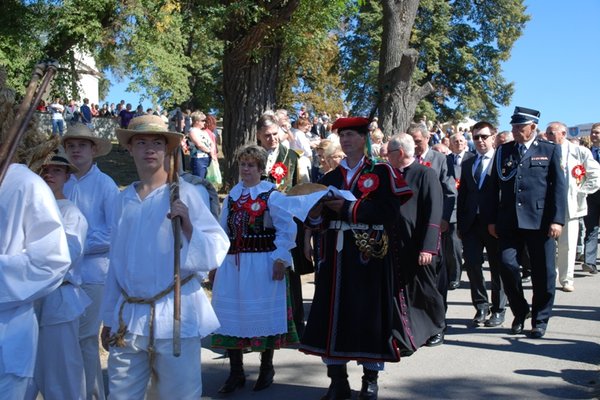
(95, 194)
(34, 257)
(59, 370)
(138, 304)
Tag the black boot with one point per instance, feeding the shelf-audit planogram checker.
(339, 389)
(369, 388)
(267, 372)
(237, 378)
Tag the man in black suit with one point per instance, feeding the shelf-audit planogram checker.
(529, 201)
(473, 217)
(451, 244)
(436, 161)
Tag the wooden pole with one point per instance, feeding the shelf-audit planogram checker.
(33, 94)
(176, 223)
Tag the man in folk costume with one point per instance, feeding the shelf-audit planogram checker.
(34, 257)
(415, 245)
(284, 171)
(94, 193)
(138, 304)
(354, 285)
(59, 371)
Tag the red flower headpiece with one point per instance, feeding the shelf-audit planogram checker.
(279, 171)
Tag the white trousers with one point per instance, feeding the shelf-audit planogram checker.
(567, 251)
(178, 377)
(59, 365)
(11, 385)
(89, 327)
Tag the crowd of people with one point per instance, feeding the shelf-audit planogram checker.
(387, 225)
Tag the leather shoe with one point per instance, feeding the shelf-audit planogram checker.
(518, 324)
(453, 285)
(435, 340)
(589, 268)
(496, 319)
(537, 333)
(480, 316)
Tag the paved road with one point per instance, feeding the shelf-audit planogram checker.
(474, 363)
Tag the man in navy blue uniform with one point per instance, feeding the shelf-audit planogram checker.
(529, 205)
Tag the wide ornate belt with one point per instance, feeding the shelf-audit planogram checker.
(371, 240)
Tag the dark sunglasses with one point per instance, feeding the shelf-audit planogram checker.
(482, 137)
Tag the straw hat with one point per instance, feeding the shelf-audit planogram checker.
(149, 125)
(60, 158)
(81, 131)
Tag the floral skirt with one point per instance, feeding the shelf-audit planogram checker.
(262, 343)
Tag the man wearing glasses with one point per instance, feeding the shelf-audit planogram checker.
(473, 217)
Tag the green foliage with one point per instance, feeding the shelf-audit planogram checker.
(461, 44)
(309, 71)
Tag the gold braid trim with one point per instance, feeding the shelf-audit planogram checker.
(118, 339)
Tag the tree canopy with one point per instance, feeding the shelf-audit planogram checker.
(329, 51)
(461, 45)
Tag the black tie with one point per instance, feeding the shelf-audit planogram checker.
(478, 169)
(522, 150)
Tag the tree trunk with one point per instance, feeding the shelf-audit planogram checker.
(249, 90)
(250, 71)
(398, 96)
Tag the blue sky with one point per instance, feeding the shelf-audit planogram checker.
(555, 65)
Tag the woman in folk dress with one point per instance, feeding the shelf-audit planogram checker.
(250, 292)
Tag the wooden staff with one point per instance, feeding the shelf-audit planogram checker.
(176, 223)
(34, 91)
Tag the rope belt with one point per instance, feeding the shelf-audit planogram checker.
(118, 339)
(366, 241)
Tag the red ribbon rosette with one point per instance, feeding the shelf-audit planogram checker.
(457, 183)
(367, 183)
(578, 172)
(255, 208)
(427, 164)
(279, 171)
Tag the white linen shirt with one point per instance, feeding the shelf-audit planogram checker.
(95, 194)
(281, 218)
(141, 263)
(34, 258)
(67, 302)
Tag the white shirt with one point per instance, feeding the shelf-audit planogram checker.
(300, 142)
(34, 258)
(57, 110)
(95, 194)
(486, 160)
(350, 172)
(67, 302)
(141, 263)
(278, 217)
